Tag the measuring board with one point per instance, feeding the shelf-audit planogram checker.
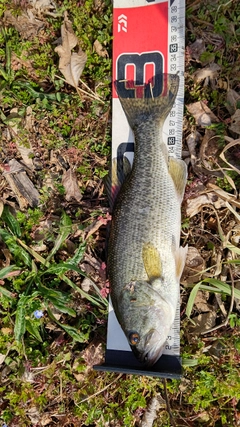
(149, 40)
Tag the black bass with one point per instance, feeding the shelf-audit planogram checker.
(145, 260)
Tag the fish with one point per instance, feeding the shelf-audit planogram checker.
(145, 260)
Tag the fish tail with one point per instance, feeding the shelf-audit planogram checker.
(154, 103)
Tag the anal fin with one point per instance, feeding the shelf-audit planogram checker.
(180, 259)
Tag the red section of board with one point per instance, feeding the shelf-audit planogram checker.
(140, 43)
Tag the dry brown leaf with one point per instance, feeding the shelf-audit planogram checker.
(70, 183)
(151, 411)
(34, 415)
(201, 302)
(209, 73)
(204, 322)
(71, 64)
(43, 7)
(1, 207)
(100, 49)
(196, 49)
(232, 98)
(202, 114)
(194, 266)
(2, 358)
(26, 23)
(195, 204)
(93, 354)
(235, 125)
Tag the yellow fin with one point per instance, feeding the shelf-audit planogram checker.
(151, 261)
(180, 257)
(178, 172)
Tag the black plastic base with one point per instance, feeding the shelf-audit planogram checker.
(125, 362)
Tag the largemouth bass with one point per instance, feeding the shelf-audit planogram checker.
(145, 260)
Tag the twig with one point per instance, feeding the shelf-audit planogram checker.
(168, 403)
(229, 311)
(91, 94)
(99, 392)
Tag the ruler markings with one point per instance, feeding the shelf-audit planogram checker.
(173, 63)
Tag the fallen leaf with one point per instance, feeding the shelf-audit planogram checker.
(233, 98)
(203, 322)
(43, 7)
(235, 125)
(201, 302)
(209, 74)
(1, 207)
(71, 64)
(34, 414)
(26, 23)
(91, 229)
(202, 114)
(194, 266)
(100, 49)
(151, 411)
(195, 204)
(93, 354)
(2, 358)
(196, 49)
(70, 183)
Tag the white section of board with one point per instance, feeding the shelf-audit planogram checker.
(135, 3)
(121, 132)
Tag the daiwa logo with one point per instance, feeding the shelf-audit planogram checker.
(139, 63)
(122, 23)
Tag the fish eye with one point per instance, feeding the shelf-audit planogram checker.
(134, 338)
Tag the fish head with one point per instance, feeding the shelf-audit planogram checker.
(147, 320)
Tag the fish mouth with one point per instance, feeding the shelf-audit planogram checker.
(152, 353)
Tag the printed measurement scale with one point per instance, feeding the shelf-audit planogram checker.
(148, 40)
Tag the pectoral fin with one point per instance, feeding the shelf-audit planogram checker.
(178, 171)
(151, 261)
(180, 257)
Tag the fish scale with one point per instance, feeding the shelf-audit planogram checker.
(147, 211)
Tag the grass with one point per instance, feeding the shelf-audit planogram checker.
(52, 276)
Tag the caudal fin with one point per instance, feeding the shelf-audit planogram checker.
(148, 107)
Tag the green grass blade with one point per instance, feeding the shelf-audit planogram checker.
(20, 322)
(6, 270)
(6, 293)
(62, 307)
(222, 287)
(77, 257)
(33, 330)
(217, 287)
(73, 332)
(191, 299)
(11, 222)
(65, 229)
(233, 248)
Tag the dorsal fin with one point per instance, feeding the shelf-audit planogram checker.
(120, 170)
